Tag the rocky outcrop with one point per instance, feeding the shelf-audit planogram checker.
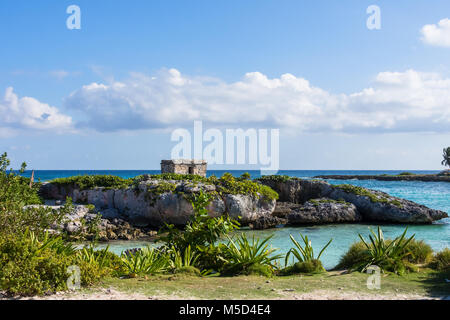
(320, 211)
(83, 222)
(413, 177)
(379, 206)
(371, 204)
(156, 202)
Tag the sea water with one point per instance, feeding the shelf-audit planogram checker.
(435, 195)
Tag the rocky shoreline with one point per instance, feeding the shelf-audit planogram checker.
(414, 177)
(135, 212)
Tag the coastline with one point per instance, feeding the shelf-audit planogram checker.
(413, 177)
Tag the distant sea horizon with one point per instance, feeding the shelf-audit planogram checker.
(47, 175)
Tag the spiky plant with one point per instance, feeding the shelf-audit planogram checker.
(304, 253)
(386, 254)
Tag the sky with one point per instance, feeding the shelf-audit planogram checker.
(110, 94)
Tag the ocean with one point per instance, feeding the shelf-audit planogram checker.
(435, 195)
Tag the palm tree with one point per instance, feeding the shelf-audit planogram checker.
(446, 155)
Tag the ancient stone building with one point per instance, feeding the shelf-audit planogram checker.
(184, 166)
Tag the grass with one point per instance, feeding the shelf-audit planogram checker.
(424, 283)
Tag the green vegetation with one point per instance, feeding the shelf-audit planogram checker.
(305, 261)
(317, 202)
(374, 197)
(227, 184)
(244, 257)
(277, 178)
(441, 261)
(406, 174)
(94, 181)
(145, 261)
(396, 255)
(32, 261)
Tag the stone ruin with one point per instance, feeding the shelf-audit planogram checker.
(184, 166)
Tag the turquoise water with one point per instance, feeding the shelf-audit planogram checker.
(435, 195)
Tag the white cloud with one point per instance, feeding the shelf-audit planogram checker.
(397, 101)
(29, 113)
(437, 35)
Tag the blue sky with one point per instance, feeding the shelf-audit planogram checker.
(355, 98)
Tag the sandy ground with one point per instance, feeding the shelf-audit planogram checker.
(111, 294)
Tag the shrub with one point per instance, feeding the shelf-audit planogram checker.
(357, 255)
(389, 255)
(260, 270)
(310, 266)
(31, 265)
(183, 259)
(145, 261)
(305, 253)
(29, 268)
(441, 261)
(406, 174)
(241, 255)
(201, 231)
(418, 252)
(93, 181)
(188, 270)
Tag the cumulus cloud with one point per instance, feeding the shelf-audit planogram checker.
(29, 113)
(397, 101)
(437, 34)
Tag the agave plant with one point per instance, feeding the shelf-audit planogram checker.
(145, 261)
(304, 253)
(92, 256)
(242, 253)
(188, 258)
(384, 253)
(55, 243)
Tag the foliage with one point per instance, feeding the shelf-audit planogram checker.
(406, 174)
(356, 255)
(145, 261)
(241, 255)
(388, 255)
(418, 252)
(17, 212)
(245, 176)
(317, 202)
(446, 156)
(373, 196)
(183, 259)
(202, 230)
(93, 181)
(31, 265)
(228, 184)
(277, 178)
(308, 267)
(304, 253)
(441, 261)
